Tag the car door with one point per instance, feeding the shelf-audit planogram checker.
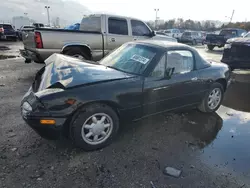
(140, 30)
(163, 93)
(117, 32)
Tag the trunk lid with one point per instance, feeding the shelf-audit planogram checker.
(65, 72)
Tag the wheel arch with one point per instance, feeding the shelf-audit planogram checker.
(223, 82)
(113, 105)
(84, 47)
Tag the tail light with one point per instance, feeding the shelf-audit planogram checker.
(38, 40)
(1, 30)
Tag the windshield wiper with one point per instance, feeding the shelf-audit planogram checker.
(114, 68)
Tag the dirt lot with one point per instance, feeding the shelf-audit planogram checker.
(212, 150)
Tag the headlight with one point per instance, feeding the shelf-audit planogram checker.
(26, 108)
(228, 46)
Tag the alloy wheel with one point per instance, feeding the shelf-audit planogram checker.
(97, 128)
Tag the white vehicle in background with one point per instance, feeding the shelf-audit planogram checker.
(175, 33)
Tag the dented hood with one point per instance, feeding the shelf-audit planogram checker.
(65, 72)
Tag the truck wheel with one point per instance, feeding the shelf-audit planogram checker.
(213, 99)
(94, 127)
(77, 53)
(210, 47)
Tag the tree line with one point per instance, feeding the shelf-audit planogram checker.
(197, 25)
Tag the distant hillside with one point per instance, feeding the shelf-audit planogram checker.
(69, 11)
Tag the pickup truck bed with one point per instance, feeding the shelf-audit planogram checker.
(61, 36)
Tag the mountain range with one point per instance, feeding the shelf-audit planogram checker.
(69, 11)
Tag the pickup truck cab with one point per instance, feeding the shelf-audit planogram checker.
(213, 40)
(98, 35)
(7, 32)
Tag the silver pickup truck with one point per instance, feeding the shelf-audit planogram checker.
(98, 35)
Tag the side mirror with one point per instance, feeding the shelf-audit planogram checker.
(243, 34)
(169, 72)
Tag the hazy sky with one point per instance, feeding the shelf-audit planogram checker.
(187, 9)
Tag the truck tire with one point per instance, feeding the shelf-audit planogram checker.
(77, 53)
(210, 47)
(94, 127)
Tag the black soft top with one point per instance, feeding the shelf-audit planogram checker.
(200, 62)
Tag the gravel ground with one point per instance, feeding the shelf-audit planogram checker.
(189, 141)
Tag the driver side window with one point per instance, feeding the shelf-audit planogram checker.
(139, 28)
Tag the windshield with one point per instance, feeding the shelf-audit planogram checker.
(228, 32)
(130, 58)
(6, 26)
(247, 35)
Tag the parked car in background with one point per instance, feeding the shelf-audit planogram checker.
(192, 37)
(213, 40)
(237, 52)
(24, 29)
(73, 27)
(87, 100)
(203, 35)
(98, 35)
(7, 32)
(38, 25)
(175, 33)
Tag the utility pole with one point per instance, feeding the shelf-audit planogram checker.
(156, 17)
(48, 7)
(232, 17)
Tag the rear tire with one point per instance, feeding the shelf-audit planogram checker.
(84, 128)
(77, 53)
(210, 47)
(209, 99)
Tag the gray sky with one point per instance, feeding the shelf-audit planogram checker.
(187, 9)
(71, 11)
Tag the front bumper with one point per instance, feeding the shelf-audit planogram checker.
(236, 63)
(33, 117)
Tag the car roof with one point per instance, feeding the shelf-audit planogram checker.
(163, 44)
(232, 29)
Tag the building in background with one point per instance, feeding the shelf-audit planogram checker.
(19, 21)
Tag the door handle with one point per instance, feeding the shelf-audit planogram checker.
(194, 79)
(112, 39)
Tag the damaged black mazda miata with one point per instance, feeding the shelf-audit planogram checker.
(87, 100)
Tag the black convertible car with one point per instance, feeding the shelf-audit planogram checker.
(87, 100)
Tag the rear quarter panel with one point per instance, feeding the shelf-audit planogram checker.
(211, 74)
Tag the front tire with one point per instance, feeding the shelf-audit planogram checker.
(212, 99)
(94, 127)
